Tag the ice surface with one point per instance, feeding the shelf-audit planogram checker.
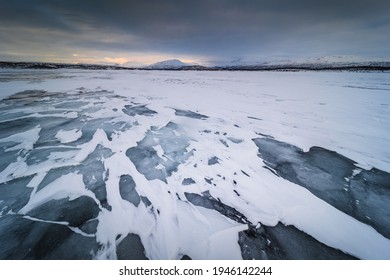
(128, 191)
(14, 195)
(130, 248)
(324, 173)
(199, 165)
(25, 140)
(75, 212)
(284, 242)
(189, 114)
(23, 238)
(188, 181)
(146, 158)
(212, 161)
(138, 110)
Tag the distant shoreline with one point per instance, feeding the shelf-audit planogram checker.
(370, 66)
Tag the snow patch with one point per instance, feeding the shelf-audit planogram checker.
(68, 136)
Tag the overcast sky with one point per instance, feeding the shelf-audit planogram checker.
(199, 30)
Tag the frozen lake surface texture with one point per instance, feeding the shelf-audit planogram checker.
(200, 165)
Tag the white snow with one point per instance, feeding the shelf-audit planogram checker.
(57, 190)
(341, 111)
(69, 135)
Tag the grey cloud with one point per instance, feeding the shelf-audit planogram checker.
(223, 28)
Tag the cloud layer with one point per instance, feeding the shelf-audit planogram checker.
(198, 30)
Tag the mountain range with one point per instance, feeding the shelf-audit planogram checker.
(346, 63)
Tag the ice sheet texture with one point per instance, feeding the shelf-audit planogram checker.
(206, 165)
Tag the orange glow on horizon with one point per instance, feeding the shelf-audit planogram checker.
(118, 60)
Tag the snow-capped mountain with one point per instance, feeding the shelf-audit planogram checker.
(343, 63)
(232, 63)
(331, 61)
(323, 60)
(168, 64)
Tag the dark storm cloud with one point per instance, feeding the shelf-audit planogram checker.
(219, 28)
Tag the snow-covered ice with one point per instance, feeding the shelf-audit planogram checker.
(206, 165)
(68, 136)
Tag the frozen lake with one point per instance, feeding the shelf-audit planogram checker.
(201, 165)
